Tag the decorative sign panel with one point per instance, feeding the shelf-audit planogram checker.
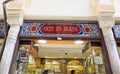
(2, 28)
(116, 29)
(60, 29)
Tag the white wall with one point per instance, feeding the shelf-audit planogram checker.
(1, 9)
(60, 7)
(117, 8)
(62, 10)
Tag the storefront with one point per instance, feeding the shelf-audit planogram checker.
(65, 46)
(62, 24)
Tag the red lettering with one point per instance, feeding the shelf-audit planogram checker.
(47, 29)
(60, 29)
(66, 29)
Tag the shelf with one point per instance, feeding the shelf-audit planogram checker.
(74, 66)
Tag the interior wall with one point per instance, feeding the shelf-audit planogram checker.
(62, 9)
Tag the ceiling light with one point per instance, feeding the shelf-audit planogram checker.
(42, 41)
(61, 57)
(46, 56)
(36, 45)
(75, 57)
(59, 38)
(78, 42)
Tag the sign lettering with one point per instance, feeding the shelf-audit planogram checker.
(60, 29)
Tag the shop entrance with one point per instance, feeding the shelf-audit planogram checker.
(59, 57)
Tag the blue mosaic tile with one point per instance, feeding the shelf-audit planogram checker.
(116, 29)
(2, 28)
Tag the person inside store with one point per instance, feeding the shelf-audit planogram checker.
(72, 71)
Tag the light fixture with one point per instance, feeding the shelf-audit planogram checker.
(75, 57)
(36, 45)
(59, 38)
(46, 56)
(61, 57)
(78, 42)
(42, 41)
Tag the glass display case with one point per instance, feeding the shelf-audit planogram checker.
(75, 65)
(119, 49)
(52, 65)
(22, 60)
(94, 63)
(1, 43)
(98, 60)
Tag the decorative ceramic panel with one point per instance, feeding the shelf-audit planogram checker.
(60, 29)
(2, 28)
(116, 29)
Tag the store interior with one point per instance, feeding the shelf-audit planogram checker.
(59, 57)
(1, 44)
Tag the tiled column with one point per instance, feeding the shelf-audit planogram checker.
(15, 10)
(106, 24)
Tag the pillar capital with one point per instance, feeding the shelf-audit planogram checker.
(106, 22)
(104, 10)
(15, 10)
(103, 7)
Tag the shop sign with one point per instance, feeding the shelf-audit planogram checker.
(58, 29)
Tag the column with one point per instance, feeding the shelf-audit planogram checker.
(14, 10)
(9, 49)
(106, 24)
(105, 10)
